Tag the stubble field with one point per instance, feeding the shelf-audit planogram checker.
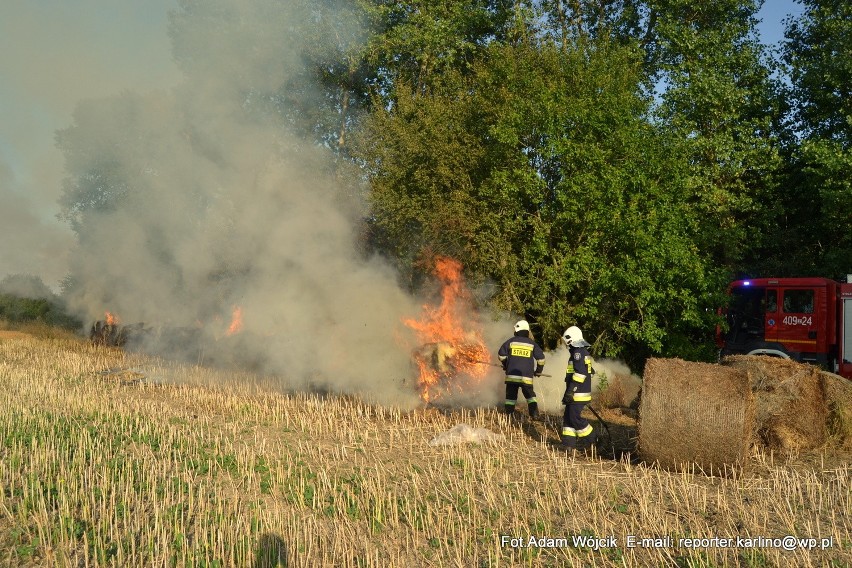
(116, 459)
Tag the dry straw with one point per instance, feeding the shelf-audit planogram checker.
(838, 395)
(112, 459)
(791, 403)
(709, 416)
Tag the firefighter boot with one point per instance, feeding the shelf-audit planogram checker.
(569, 440)
(586, 443)
(509, 411)
(533, 410)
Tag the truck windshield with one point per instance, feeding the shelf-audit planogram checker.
(745, 314)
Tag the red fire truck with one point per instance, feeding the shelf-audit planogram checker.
(804, 319)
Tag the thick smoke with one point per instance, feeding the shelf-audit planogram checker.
(190, 203)
(30, 243)
(52, 55)
(205, 201)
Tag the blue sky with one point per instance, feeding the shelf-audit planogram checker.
(773, 13)
(54, 53)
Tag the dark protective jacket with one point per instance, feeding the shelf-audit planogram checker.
(578, 375)
(522, 359)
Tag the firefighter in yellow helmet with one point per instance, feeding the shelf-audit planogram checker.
(576, 430)
(522, 359)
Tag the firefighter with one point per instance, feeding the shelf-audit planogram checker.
(522, 359)
(576, 430)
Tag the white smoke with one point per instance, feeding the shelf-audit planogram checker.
(29, 242)
(551, 389)
(52, 55)
(206, 201)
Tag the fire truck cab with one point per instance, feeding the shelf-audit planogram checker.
(804, 319)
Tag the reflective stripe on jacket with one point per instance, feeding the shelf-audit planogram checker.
(522, 358)
(579, 373)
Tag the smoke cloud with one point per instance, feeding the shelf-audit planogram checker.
(193, 202)
(30, 243)
(53, 54)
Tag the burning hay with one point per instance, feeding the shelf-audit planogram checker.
(695, 413)
(452, 355)
(218, 343)
(710, 415)
(110, 333)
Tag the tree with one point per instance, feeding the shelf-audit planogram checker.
(540, 170)
(818, 50)
(720, 99)
(416, 41)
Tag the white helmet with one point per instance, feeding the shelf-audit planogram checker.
(522, 325)
(573, 336)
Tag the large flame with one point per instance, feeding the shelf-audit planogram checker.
(236, 321)
(450, 337)
(111, 319)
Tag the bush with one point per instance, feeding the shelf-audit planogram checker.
(17, 311)
(26, 299)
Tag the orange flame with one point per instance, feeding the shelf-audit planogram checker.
(448, 348)
(111, 319)
(236, 321)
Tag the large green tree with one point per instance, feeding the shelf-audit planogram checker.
(719, 97)
(541, 171)
(817, 235)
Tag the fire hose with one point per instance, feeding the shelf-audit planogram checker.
(501, 366)
(608, 434)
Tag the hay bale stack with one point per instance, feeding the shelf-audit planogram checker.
(838, 398)
(710, 415)
(790, 400)
(695, 413)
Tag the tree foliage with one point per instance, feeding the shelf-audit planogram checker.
(417, 41)
(540, 169)
(817, 215)
(720, 98)
(602, 163)
(819, 53)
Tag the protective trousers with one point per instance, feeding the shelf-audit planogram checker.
(576, 430)
(512, 397)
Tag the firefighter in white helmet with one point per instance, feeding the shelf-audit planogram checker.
(576, 430)
(522, 359)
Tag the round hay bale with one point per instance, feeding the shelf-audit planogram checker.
(790, 400)
(695, 414)
(838, 398)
